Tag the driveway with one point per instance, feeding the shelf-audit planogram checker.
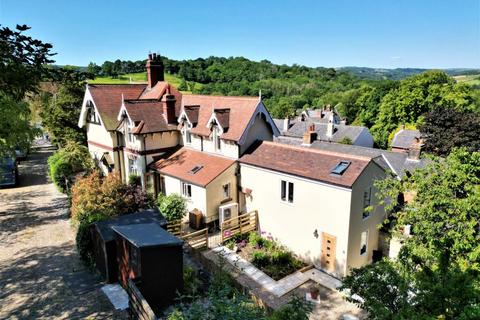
(41, 276)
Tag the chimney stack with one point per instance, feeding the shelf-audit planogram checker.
(330, 126)
(310, 135)
(415, 149)
(286, 124)
(155, 69)
(168, 108)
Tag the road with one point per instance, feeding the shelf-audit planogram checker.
(41, 276)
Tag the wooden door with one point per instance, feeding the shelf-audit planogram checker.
(329, 246)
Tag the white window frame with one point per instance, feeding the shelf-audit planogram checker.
(216, 139)
(289, 185)
(226, 190)
(186, 190)
(188, 136)
(132, 166)
(366, 243)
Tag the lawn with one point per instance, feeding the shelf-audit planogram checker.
(268, 256)
(473, 79)
(140, 77)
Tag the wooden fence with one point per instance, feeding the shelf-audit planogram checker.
(197, 240)
(138, 306)
(175, 227)
(242, 224)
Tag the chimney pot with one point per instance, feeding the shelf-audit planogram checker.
(155, 69)
(286, 124)
(168, 106)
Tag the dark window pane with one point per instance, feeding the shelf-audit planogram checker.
(290, 192)
(284, 190)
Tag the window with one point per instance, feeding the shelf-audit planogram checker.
(132, 166)
(196, 169)
(92, 116)
(130, 136)
(226, 190)
(367, 195)
(340, 167)
(286, 191)
(216, 139)
(186, 190)
(188, 136)
(363, 242)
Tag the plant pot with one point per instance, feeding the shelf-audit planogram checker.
(314, 294)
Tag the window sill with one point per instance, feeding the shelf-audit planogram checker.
(226, 200)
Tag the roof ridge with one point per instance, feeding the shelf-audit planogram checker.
(218, 96)
(325, 152)
(116, 84)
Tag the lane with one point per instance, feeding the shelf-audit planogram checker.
(39, 268)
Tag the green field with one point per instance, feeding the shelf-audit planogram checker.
(473, 79)
(140, 77)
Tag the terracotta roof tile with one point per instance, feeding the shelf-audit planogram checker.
(148, 116)
(241, 111)
(308, 163)
(192, 113)
(108, 100)
(181, 163)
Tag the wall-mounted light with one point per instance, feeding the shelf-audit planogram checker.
(315, 234)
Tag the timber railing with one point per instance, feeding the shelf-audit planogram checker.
(242, 224)
(138, 306)
(175, 227)
(197, 240)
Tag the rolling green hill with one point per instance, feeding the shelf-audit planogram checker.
(141, 77)
(471, 79)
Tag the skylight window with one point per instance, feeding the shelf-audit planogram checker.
(341, 167)
(196, 169)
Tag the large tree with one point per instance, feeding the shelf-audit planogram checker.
(417, 95)
(437, 274)
(22, 66)
(445, 128)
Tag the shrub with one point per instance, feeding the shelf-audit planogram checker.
(134, 180)
(297, 309)
(260, 259)
(96, 198)
(191, 283)
(173, 207)
(346, 140)
(67, 162)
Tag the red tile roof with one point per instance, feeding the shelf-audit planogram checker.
(108, 100)
(147, 116)
(241, 111)
(181, 163)
(308, 163)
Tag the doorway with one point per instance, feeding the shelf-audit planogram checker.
(328, 255)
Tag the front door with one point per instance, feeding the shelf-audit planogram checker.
(329, 246)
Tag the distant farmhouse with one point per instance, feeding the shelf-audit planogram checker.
(326, 125)
(218, 152)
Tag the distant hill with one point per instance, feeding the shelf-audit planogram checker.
(400, 73)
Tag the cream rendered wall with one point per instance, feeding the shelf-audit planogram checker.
(260, 130)
(198, 199)
(316, 206)
(160, 140)
(98, 134)
(228, 148)
(357, 224)
(215, 192)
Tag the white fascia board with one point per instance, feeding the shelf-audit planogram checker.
(260, 109)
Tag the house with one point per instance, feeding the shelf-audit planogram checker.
(327, 126)
(406, 140)
(176, 143)
(397, 163)
(313, 202)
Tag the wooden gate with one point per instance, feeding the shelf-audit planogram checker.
(242, 224)
(175, 227)
(197, 240)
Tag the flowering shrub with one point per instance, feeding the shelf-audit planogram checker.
(172, 207)
(96, 198)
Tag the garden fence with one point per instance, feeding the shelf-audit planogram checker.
(238, 225)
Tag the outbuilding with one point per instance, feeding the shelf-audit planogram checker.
(105, 251)
(153, 259)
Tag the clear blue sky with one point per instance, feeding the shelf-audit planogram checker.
(333, 33)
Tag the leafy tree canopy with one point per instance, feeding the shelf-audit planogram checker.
(437, 274)
(446, 128)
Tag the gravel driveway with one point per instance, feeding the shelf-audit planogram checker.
(41, 276)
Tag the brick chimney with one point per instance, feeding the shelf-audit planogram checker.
(168, 107)
(310, 135)
(415, 149)
(154, 69)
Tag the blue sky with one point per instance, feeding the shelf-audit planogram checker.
(382, 33)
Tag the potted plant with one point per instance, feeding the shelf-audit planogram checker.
(315, 292)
